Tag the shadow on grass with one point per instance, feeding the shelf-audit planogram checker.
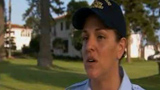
(10, 88)
(59, 76)
(149, 83)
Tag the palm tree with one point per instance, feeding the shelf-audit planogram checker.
(2, 22)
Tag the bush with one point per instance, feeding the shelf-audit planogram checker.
(34, 44)
(33, 48)
(67, 58)
(58, 43)
(77, 40)
(26, 50)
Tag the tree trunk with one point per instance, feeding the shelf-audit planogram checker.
(129, 49)
(10, 46)
(2, 22)
(45, 57)
(141, 48)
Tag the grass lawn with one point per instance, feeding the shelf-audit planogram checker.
(23, 74)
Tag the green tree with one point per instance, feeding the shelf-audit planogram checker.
(2, 29)
(41, 10)
(32, 15)
(73, 6)
(153, 15)
(34, 23)
(71, 9)
(137, 14)
(34, 44)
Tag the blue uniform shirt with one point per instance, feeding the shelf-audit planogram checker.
(125, 85)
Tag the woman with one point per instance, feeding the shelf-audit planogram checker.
(103, 33)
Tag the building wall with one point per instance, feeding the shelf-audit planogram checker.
(65, 34)
(21, 36)
(148, 50)
(135, 45)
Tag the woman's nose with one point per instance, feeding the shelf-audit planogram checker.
(90, 44)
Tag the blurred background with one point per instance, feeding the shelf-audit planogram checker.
(41, 50)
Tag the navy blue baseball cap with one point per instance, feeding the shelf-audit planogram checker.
(107, 10)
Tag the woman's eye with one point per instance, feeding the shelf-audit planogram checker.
(101, 37)
(84, 38)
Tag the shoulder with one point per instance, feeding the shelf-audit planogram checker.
(137, 87)
(78, 86)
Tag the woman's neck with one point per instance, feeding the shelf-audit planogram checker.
(109, 81)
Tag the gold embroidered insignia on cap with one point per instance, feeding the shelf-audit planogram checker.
(97, 4)
(108, 2)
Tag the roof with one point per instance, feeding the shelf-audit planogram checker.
(17, 26)
(60, 17)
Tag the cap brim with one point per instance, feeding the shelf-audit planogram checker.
(80, 16)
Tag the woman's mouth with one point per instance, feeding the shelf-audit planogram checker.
(91, 60)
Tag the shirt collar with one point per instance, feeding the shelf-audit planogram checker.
(87, 86)
(125, 84)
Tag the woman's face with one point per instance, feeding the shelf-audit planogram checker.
(100, 49)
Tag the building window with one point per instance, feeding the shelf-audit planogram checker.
(67, 25)
(65, 50)
(61, 26)
(54, 31)
(24, 33)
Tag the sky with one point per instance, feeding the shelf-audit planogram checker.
(19, 8)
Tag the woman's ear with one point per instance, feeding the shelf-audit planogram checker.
(121, 47)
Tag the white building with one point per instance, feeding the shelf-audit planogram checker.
(135, 45)
(21, 36)
(62, 30)
(136, 50)
(148, 50)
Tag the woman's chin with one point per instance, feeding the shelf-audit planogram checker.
(92, 74)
